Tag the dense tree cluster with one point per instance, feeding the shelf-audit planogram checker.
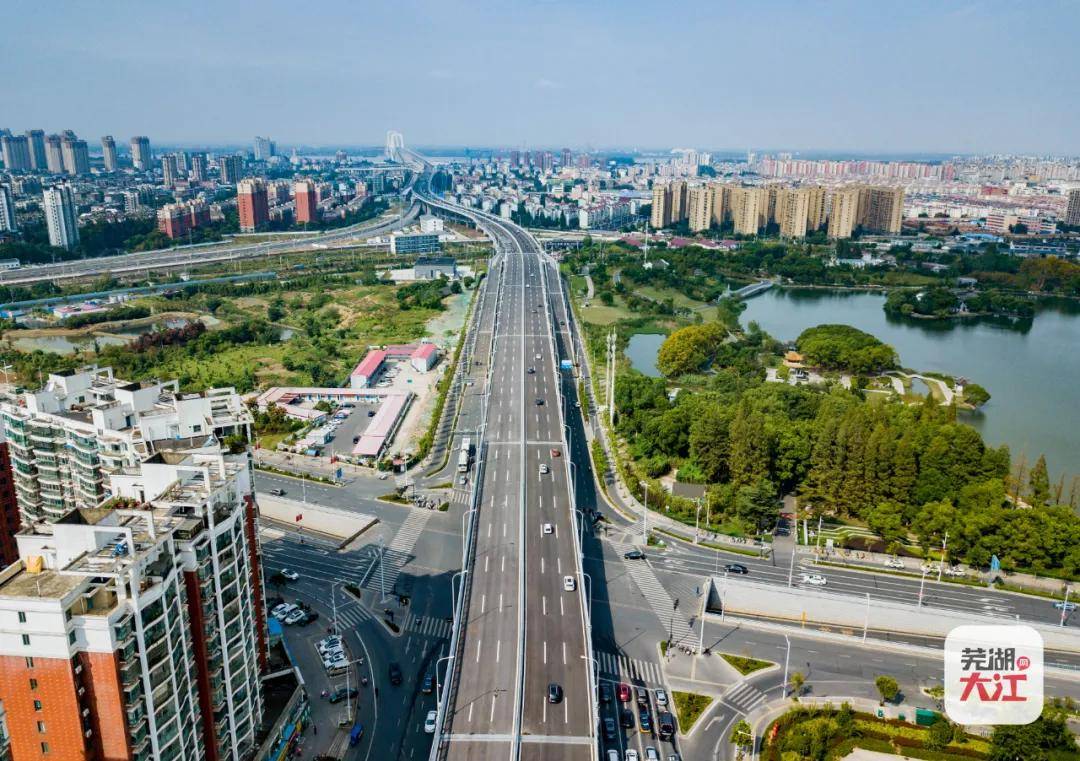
(944, 302)
(425, 294)
(133, 312)
(842, 347)
(909, 472)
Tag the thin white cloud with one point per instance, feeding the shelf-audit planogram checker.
(547, 84)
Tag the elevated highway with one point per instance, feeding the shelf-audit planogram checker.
(519, 625)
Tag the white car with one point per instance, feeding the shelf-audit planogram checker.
(290, 575)
(295, 617)
(661, 698)
(568, 583)
(548, 528)
(631, 754)
(954, 571)
(538, 356)
(283, 610)
(462, 480)
(544, 469)
(814, 579)
(429, 722)
(612, 755)
(893, 563)
(651, 754)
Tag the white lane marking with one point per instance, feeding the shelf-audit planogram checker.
(478, 643)
(545, 651)
(502, 568)
(543, 604)
(491, 718)
(564, 653)
(562, 612)
(487, 558)
(541, 565)
(483, 604)
(566, 711)
(498, 650)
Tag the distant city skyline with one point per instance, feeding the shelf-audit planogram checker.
(947, 78)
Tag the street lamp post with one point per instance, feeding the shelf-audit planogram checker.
(944, 546)
(645, 515)
(697, 519)
(787, 658)
(922, 583)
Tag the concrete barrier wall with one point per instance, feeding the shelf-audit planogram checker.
(798, 605)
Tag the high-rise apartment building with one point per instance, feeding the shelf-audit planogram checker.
(660, 216)
(792, 211)
(60, 219)
(679, 205)
(15, 150)
(700, 211)
(307, 203)
(844, 214)
(67, 438)
(108, 153)
(8, 223)
(815, 214)
(1072, 212)
(169, 170)
(176, 219)
(748, 209)
(230, 168)
(881, 209)
(75, 154)
(38, 161)
(54, 154)
(9, 511)
(252, 201)
(198, 167)
(721, 203)
(133, 629)
(140, 153)
(265, 148)
(566, 157)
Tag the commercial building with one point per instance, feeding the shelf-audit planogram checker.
(434, 267)
(253, 204)
(54, 154)
(423, 243)
(134, 629)
(307, 203)
(15, 150)
(1072, 213)
(67, 438)
(59, 203)
(140, 153)
(38, 161)
(108, 153)
(230, 167)
(429, 223)
(8, 223)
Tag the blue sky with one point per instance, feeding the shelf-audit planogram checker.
(859, 75)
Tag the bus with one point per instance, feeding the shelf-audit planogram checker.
(463, 462)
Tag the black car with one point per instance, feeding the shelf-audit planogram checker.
(532, 370)
(736, 568)
(429, 684)
(395, 674)
(554, 693)
(539, 402)
(371, 413)
(605, 692)
(309, 616)
(626, 718)
(341, 693)
(634, 555)
(666, 724)
(609, 728)
(645, 721)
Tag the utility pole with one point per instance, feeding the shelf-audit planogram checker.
(787, 658)
(382, 569)
(1065, 607)
(922, 583)
(791, 568)
(645, 516)
(866, 621)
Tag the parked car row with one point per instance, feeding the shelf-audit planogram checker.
(332, 652)
(293, 613)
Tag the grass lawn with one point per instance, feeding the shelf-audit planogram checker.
(600, 314)
(680, 300)
(745, 665)
(688, 708)
(271, 440)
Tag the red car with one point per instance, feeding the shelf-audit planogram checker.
(624, 693)
(555, 453)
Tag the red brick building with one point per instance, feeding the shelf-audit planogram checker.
(252, 202)
(307, 202)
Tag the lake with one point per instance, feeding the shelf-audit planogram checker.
(641, 351)
(1030, 369)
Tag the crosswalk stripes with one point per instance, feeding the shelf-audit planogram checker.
(353, 615)
(658, 598)
(429, 626)
(745, 697)
(623, 668)
(399, 551)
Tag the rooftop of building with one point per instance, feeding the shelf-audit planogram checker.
(16, 581)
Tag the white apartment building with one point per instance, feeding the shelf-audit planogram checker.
(67, 438)
(59, 204)
(130, 630)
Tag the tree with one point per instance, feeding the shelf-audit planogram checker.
(940, 734)
(796, 682)
(709, 435)
(742, 736)
(888, 687)
(1040, 483)
(887, 521)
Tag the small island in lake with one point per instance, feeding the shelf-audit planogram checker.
(950, 303)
